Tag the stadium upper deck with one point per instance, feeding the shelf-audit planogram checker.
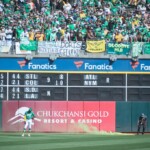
(79, 20)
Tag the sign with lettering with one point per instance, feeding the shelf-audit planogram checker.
(118, 48)
(60, 116)
(64, 48)
(95, 46)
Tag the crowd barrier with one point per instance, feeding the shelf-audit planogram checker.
(74, 48)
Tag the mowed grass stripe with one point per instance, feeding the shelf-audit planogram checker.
(133, 146)
(143, 149)
(14, 137)
(74, 143)
(30, 140)
(51, 138)
(71, 146)
(50, 135)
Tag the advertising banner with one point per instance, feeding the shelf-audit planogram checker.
(5, 47)
(74, 64)
(106, 109)
(64, 48)
(95, 46)
(93, 117)
(60, 116)
(46, 106)
(11, 122)
(118, 48)
(76, 111)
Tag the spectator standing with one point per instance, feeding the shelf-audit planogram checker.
(67, 35)
(79, 36)
(118, 37)
(142, 9)
(31, 35)
(59, 5)
(48, 31)
(9, 35)
(2, 34)
(90, 34)
(39, 36)
(25, 35)
(67, 7)
(1, 8)
(53, 36)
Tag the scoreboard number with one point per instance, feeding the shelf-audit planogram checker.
(73, 86)
(36, 86)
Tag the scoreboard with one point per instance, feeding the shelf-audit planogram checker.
(74, 86)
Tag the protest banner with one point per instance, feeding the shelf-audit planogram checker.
(64, 48)
(96, 46)
(118, 48)
(5, 47)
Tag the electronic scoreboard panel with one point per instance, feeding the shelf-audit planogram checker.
(74, 86)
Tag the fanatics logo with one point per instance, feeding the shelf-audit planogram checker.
(19, 116)
(78, 63)
(134, 65)
(22, 63)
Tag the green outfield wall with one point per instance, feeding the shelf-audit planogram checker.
(127, 114)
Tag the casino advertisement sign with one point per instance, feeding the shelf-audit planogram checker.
(60, 116)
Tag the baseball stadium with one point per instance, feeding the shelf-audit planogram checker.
(74, 74)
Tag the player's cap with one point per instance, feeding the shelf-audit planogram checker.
(30, 109)
(142, 114)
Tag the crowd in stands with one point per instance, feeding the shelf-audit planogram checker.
(75, 20)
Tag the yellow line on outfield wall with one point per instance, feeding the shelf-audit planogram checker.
(71, 72)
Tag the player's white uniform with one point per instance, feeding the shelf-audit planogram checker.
(28, 124)
(29, 115)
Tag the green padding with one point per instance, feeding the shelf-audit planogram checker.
(0, 114)
(123, 117)
(148, 118)
(137, 109)
(127, 114)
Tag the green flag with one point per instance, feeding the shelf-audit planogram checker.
(30, 46)
(137, 48)
(146, 48)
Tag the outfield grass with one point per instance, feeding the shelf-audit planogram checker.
(51, 141)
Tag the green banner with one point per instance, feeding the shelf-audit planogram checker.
(29, 46)
(118, 48)
(146, 48)
(137, 48)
